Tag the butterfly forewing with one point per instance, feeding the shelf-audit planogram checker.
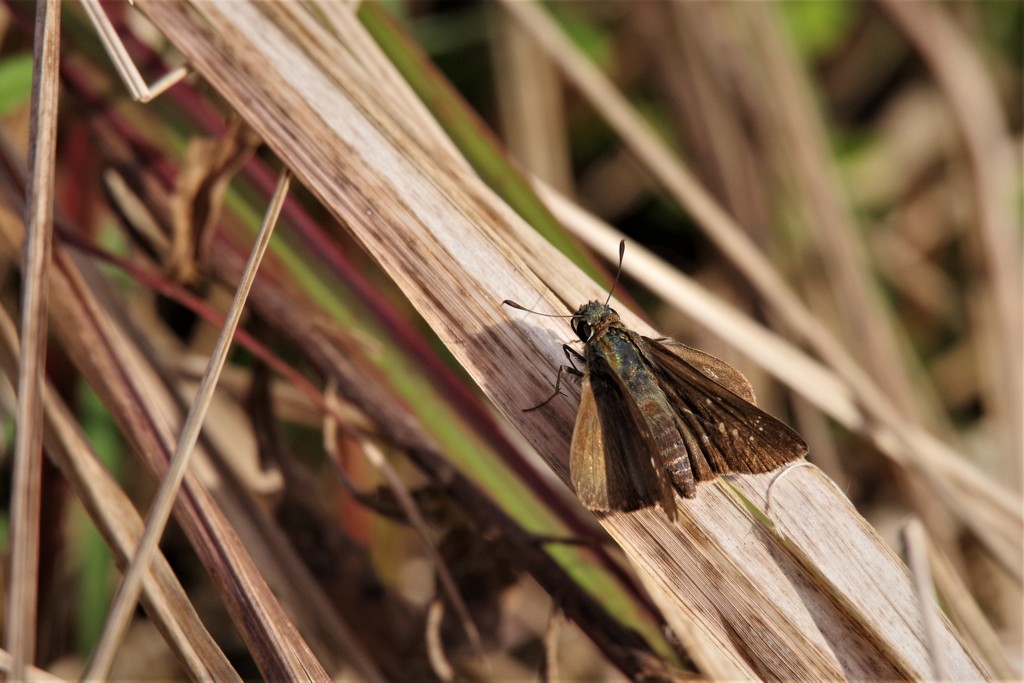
(599, 456)
(709, 366)
(635, 415)
(725, 430)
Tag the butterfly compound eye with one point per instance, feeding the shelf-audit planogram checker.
(582, 329)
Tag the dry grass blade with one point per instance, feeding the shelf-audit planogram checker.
(137, 87)
(34, 673)
(915, 548)
(993, 510)
(24, 573)
(164, 598)
(873, 404)
(996, 174)
(132, 390)
(963, 610)
(761, 599)
(342, 18)
(128, 593)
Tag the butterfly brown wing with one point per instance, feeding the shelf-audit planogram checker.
(723, 431)
(709, 366)
(645, 436)
(609, 462)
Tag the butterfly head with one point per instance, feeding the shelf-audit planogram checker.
(592, 317)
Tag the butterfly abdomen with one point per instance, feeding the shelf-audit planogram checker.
(618, 352)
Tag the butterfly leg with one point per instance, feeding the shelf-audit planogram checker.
(570, 353)
(681, 473)
(570, 369)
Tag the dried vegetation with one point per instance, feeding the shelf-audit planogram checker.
(816, 192)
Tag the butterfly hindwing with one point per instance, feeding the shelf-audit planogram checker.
(721, 427)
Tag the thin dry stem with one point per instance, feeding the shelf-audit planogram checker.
(139, 90)
(530, 104)
(128, 593)
(435, 645)
(995, 176)
(963, 610)
(115, 517)
(412, 513)
(915, 548)
(23, 586)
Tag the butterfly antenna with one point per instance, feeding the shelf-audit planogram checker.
(622, 250)
(513, 304)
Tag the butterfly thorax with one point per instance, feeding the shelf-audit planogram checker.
(618, 351)
(613, 348)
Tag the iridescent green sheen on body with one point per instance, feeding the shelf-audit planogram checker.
(612, 349)
(618, 351)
